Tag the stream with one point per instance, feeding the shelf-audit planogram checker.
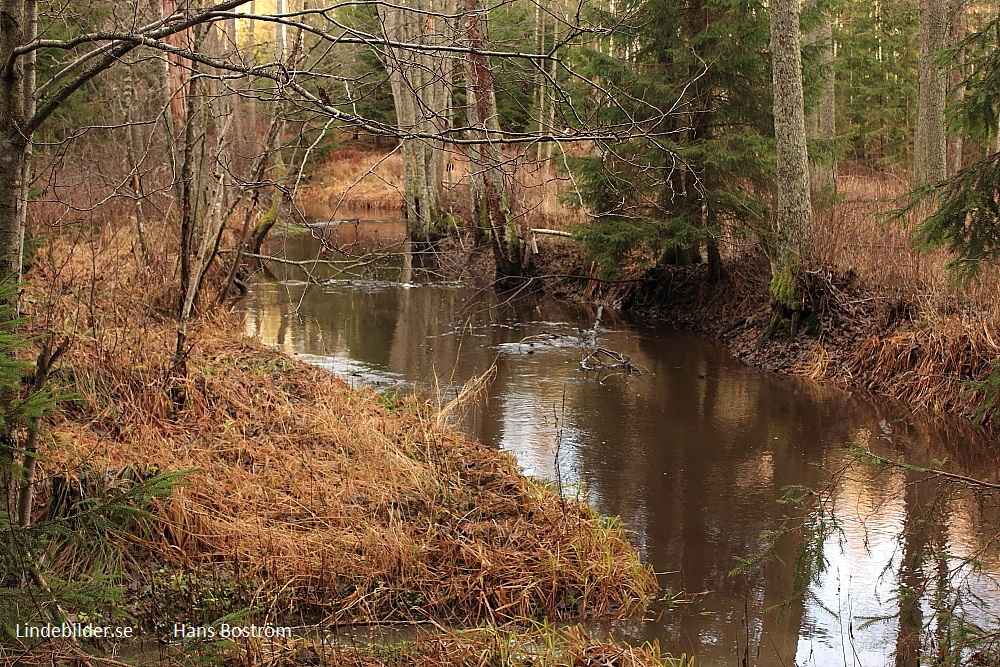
(693, 452)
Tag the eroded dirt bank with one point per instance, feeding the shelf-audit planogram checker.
(851, 336)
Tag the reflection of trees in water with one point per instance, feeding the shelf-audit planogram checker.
(947, 611)
(937, 604)
(948, 603)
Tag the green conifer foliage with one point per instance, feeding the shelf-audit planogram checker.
(967, 222)
(693, 75)
(876, 67)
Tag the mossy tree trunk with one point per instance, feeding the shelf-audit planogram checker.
(792, 217)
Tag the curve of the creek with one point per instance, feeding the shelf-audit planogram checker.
(694, 453)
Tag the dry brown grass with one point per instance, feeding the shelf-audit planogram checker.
(354, 179)
(924, 337)
(926, 365)
(342, 507)
(540, 646)
(854, 236)
(362, 511)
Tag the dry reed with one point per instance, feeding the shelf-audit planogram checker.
(541, 647)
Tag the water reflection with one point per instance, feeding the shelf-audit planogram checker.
(692, 455)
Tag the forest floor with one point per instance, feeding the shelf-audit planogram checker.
(303, 503)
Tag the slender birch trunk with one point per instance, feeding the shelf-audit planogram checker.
(16, 101)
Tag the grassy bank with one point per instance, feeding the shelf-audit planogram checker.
(888, 319)
(304, 502)
(358, 179)
(334, 505)
(885, 317)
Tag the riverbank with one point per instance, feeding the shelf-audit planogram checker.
(303, 503)
(886, 318)
(883, 342)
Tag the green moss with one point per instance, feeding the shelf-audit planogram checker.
(448, 223)
(784, 286)
(266, 221)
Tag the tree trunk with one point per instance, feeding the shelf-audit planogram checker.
(488, 187)
(29, 99)
(421, 84)
(822, 122)
(14, 146)
(135, 178)
(13, 166)
(551, 120)
(792, 214)
(13, 159)
(930, 163)
(958, 28)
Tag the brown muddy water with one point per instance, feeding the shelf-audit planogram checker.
(694, 454)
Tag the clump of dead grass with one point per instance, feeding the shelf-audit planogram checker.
(341, 507)
(929, 365)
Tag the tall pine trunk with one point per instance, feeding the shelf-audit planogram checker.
(930, 161)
